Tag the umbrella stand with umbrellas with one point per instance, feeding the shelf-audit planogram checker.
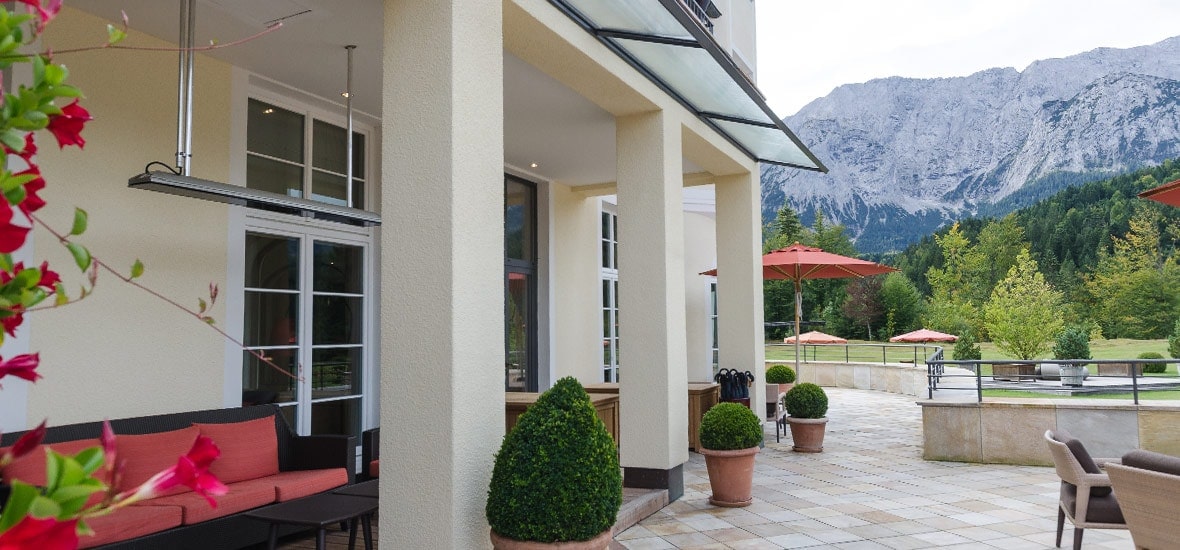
(798, 262)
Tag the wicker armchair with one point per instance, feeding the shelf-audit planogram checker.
(1086, 498)
(1148, 485)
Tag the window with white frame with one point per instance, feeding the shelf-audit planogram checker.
(610, 294)
(299, 155)
(713, 326)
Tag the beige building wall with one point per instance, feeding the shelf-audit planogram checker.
(700, 245)
(736, 30)
(576, 310)
(121, 352)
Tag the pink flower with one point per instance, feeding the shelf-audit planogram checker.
(29, 150)
(45, 12)
(192, 471)
(33, 202)
(67, 127)
(42, 534)
(12, 321)
(23, 446)
(22, 366)
(12, 236)
(49, 278)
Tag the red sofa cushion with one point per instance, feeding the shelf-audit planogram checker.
(146, 455)
(130, 522)
(31, 467)
(301, 483)
(242, 496)
(375, 468)
(249, 450)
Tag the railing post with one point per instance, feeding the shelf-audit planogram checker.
(1134, 383)
(979, 382)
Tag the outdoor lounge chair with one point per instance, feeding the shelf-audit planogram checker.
(1148, 485)
(1086, 497)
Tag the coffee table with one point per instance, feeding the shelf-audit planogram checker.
(362, 489)
(319, 511)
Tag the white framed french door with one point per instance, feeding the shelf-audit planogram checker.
(307, 306)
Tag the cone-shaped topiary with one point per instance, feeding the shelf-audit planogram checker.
(806, 400)
(556, 476)
(729, 427)
(780, 374)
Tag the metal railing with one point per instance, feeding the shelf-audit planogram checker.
(861, 353)
(1009, 374)
(701, 12)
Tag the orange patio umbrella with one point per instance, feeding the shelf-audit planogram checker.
(815, 337)
(798, 262)
(1168, 193)
(924, 335)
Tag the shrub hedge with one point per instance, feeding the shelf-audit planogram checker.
(729, 427)
(556, 477)
(806, 400)
(1153, 368)
(780, 374)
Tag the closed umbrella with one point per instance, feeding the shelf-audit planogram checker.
(798, 262)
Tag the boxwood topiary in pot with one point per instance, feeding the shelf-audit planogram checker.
(730, 434)
(779, 380)
(556, 478)
(807, 405)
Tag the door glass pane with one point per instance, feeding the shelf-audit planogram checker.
(272, 319)
(342, 416)
(274, 176)
(274, 132)
(336, 320)
(328, 188)
(338, 268)
(258, 376)
(328, 147)
(335, 372)
(518, 220)
(272, 262)
(516, 324)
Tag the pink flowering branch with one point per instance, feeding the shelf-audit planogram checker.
(215, 46)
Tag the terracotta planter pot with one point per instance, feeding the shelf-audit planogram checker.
(599, 542)
(807, 434)
(731, 475)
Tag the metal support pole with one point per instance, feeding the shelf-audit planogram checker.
(184, 94)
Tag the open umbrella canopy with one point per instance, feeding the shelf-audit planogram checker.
(1168, 193)
(798, 262)
(815, 337)
(924, 335)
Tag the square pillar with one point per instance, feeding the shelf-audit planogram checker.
(442, 269)
(653, 392)
(740, 329)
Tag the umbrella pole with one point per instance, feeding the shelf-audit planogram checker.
(798, 306)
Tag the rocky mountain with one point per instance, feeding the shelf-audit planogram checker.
(907, 155)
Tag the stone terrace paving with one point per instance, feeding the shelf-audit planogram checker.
(869, 489)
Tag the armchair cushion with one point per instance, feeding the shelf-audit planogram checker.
(1084, 460)
(249, 450)
(1102, 509)
(1148, 460)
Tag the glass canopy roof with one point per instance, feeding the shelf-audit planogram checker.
(665, 42)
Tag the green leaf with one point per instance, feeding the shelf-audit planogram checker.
(54, 74)
(62, 298)
(66, 90)
(19, 502)
(90, 459)
(38, 70)
(37, 117)
(6, 262)
(115, 35)
(53, 467)
(202, 304)
(81, 255)
(13, 139)
(136, 269)
(80, 219)
(44, 508)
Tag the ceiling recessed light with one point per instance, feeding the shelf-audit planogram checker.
(533, 165)
(343, 94)
(268, 111)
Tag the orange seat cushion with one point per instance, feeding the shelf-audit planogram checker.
(300, 483)
(375, 468)
(146, 455)
(130, 522)
(242, 496)
(31, 467)
(249, 450)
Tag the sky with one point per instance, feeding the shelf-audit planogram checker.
(806, 49)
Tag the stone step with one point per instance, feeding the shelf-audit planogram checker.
(637, 505)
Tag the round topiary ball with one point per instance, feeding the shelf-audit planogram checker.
(1153, 368)
(729, 427)
(556, 477)
(806, 400)
(780, 374)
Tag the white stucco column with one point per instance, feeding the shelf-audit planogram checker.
(740, 340)
(653, 393)
(442, 270)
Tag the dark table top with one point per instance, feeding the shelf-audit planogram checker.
(317, 510)
(363, 489)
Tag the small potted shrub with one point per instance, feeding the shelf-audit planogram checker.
(730, 434)
(779, 380)
(1153, 368)
(556, 478)
(1072, 343)
(807, 407)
